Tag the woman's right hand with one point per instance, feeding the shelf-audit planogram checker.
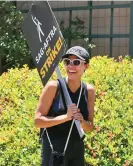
(71, 110)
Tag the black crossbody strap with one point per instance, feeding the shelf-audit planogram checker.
(69, 130)
(86, 91)
(62, 94)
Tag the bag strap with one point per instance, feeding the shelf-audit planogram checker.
(42, 130)
(70, 131)
(86, 91)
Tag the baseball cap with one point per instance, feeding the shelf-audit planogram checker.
(78, 51)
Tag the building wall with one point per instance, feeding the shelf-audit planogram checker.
(100, 24)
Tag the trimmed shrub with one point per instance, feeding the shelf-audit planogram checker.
(20, 90)
(110, 143)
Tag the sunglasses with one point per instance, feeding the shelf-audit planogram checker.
(75, 62)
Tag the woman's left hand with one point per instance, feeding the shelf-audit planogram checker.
(78, 116)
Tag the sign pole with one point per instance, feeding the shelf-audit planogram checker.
(68, 100)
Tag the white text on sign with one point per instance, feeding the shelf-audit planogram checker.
(51, 57)
(45, 45)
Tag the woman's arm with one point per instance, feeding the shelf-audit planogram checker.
(41, 119)
(88, 125)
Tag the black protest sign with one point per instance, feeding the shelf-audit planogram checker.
(44, 39)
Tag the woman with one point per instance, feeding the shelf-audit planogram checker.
(58, 119)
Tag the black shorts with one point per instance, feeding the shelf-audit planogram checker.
(74, 154)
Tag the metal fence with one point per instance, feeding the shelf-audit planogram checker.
(109, 24)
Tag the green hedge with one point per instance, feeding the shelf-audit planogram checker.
(111, 142)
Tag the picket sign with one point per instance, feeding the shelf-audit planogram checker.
(46, 44)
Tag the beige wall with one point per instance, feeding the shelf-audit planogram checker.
(100, 24)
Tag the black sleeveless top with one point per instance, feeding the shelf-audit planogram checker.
(59, 108)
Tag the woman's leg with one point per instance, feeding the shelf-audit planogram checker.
(45, 153)
(77, 157)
